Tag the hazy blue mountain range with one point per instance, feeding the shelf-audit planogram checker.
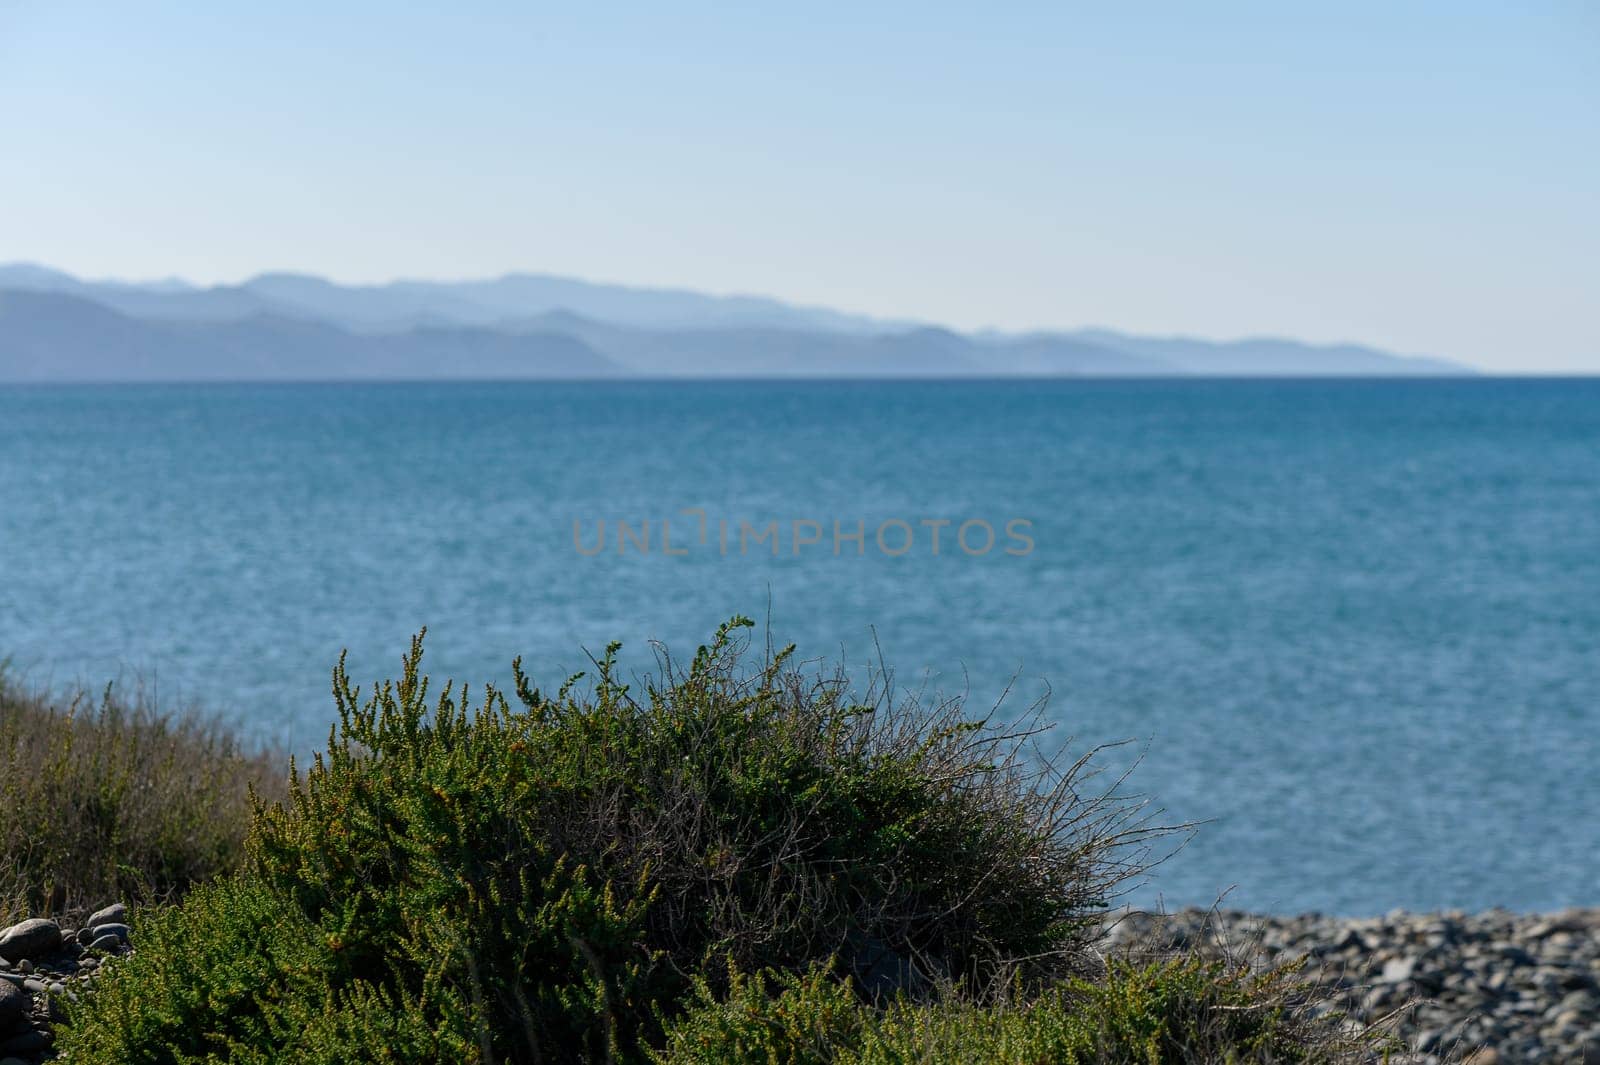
(917, 350)
(55, 327)
(47, 336)
(400, 304)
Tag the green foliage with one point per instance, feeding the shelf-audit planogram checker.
(236, 974)
(1178, 1011)
(773, 1019)
(109, 799)
(560, 878)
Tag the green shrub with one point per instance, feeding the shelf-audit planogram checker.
(1165, 1013)
(775, 1018)
(237, 974)
(545, 883)
(110, 799)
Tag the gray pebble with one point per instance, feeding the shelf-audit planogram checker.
(30, 939)
(13, 1004)
(116, 913)
(107, 944)
(1399, 970)
(121, 931)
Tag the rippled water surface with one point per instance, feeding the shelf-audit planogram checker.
(1357, 624)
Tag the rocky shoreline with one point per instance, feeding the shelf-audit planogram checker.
(1492, 988)
(43, 966)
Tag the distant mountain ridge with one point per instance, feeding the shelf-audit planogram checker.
(51, 337)
(283, 326)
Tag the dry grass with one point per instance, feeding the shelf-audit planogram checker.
(105, 798)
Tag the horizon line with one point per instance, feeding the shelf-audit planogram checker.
(620, 379)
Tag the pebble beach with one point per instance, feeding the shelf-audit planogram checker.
(1491, 988)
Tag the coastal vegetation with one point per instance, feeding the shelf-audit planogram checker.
(102, 796)
(744, 859)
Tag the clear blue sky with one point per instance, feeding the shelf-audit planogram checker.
(1425, 177)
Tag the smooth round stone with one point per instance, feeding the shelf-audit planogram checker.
(30, 939)
(107, 944)
(24, 966)
(13, 1004)
(121, 931)
(116, 913)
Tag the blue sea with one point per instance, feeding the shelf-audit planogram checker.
(1353, 626)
